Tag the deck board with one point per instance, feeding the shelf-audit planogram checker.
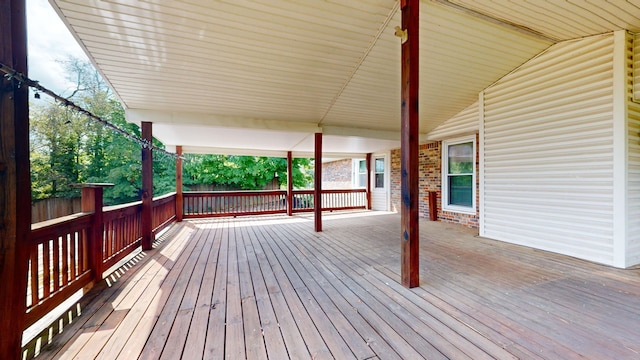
(271, 288)
(196, 336)
(274, 341)
(294, 342)
(214, 340)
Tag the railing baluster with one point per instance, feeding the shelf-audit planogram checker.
(83, 250)
(56, 263)
(46, 268)
(72, 256)
(34, 274)
(65, 260)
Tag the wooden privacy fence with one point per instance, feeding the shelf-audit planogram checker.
(239, 203)
(46, 209)
(64, 257)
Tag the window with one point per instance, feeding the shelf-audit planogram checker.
(379, 173)
(361, 173)
(458, 175)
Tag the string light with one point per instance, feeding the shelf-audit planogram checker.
(20, 79)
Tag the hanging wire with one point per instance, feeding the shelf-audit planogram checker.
(12, 74)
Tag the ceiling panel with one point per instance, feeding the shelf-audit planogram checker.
(331, 63)
(561, 19)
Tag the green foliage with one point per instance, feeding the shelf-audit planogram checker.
(243, 172)
(461, 158)
(68, 148)
(55, 149)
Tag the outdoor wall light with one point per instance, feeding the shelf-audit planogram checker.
(402, 34)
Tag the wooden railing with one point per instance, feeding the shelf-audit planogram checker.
(58, 263)
(234, 203)
(63, 258)
(122, 232)
(238, 203)
(344, 199)
(164, 211)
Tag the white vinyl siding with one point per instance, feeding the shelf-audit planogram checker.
(463, 123)
(547, 152)
(636, 67)
(633, 161)
(633, 187)
(633, 174)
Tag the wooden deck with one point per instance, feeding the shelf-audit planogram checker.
(269, 287)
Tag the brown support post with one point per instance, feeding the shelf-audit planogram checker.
(409, 149)
(433, 206)
(317, 188)
(147, 187)
(289, 184)
(179, 198)
(92, 201)
(368, 166)
(15, 183)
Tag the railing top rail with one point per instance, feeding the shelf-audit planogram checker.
(165, 196)
(343, 191)
(122, 206)
(330, 191)
(58, 221)
(236, 192)
(303, 191)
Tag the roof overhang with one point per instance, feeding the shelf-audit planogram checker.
(255, 77)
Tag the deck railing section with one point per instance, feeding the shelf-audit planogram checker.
(234, 203)
(164, 211)
(63, 258)
(58, 263)
(342, 199)
(60, 260)
(122, 232)
(238, 203)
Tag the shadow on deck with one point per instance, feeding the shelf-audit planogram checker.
(270, 287)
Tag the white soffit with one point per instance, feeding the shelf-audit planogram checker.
(210, 140)
(558, 19)
(353, 146)
(273, 60)
(460, 55)
(229, 138)
(333, 64)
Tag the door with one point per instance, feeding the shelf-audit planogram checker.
(380, 182)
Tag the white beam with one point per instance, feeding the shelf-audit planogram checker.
(191, 118)
(359, 132)
(269, 153)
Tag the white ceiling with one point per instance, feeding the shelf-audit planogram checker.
(260, 77)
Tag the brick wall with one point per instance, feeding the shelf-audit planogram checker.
(430, 167)
(337, 174)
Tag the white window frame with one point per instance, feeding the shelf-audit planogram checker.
(357, 173)
(383, 172)
(445, 176)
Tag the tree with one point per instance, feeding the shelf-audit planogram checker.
(243, 172)
(56, 135)
(68, 148)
